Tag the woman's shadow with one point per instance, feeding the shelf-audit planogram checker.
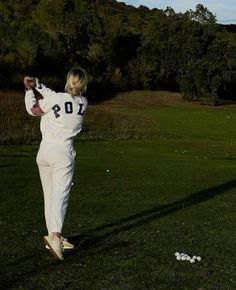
(95, 236)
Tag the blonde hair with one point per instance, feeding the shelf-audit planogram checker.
(76, 82)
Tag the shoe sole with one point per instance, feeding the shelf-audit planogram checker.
(51, 249)
(64, 248)
(68, 248)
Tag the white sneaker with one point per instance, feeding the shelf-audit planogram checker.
(65, 244)
(55, 245)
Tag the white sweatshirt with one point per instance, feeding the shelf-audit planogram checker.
(61, 114)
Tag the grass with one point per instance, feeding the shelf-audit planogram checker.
(170, 187)
(133, 115)
(16, 127)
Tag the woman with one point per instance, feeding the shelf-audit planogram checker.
(61, 120)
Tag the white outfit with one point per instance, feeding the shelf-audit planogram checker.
(61, 120)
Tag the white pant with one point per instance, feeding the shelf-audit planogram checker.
(56, 167)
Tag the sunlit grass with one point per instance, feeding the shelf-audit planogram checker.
(152, 177)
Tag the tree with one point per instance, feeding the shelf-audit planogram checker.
(201, 15)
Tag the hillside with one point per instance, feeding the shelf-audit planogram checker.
(229, 27)
(128, 115)
(121, 47)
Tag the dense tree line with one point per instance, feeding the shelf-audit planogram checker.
(120, 46)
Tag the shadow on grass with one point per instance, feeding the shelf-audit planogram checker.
(7, 165)
(15, 274)
(93, 237)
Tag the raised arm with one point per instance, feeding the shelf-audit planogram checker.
(42, 89)
(38, 107)
(31, 104)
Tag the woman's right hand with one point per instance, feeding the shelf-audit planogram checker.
(29, 82)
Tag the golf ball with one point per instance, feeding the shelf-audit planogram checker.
(108, 170)
(186, 257)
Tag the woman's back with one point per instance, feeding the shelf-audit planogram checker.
(64, 117)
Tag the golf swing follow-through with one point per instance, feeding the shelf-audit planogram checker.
(61, 120)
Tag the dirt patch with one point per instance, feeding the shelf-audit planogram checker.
(149, 99)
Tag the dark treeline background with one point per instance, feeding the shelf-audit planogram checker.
(120, 46)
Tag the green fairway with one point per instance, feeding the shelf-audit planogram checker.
(134, 203)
